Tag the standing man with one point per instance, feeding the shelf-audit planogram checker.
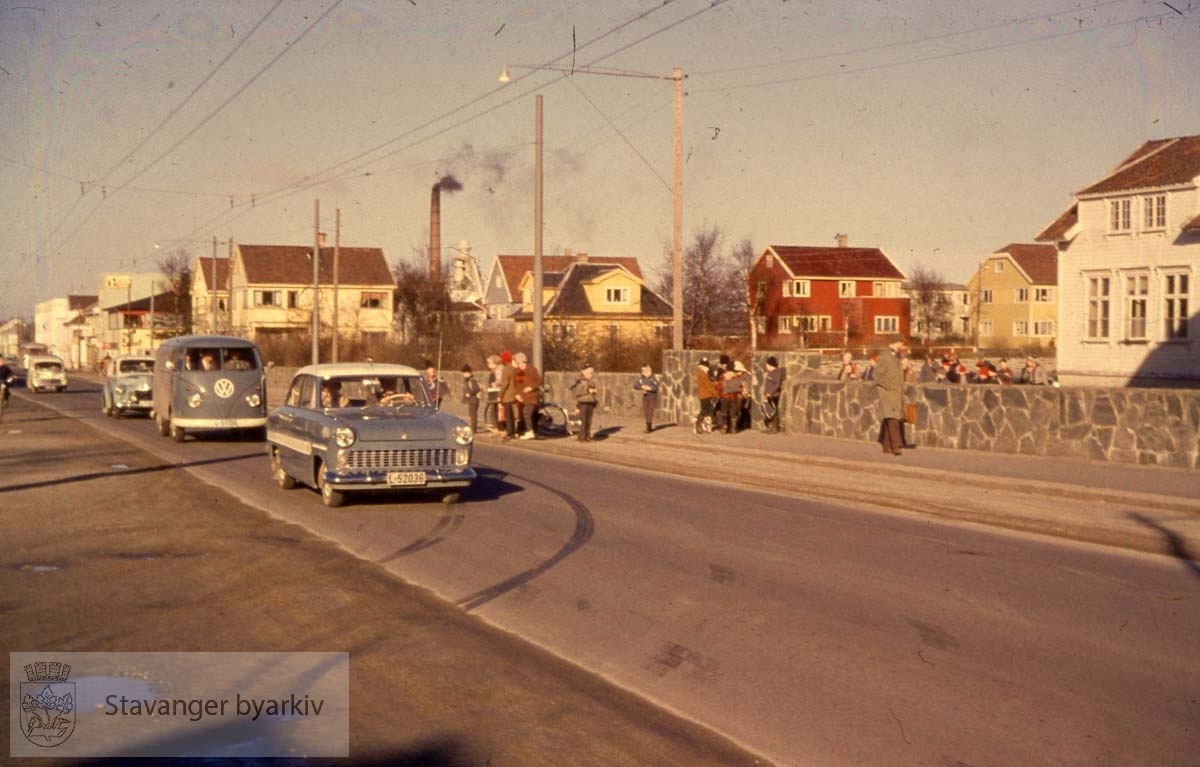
(1032, 373)
(531, 394)
(647, 384)
(507, 381)
(491, 412)
(706, 391)
(889, 383)
(772, 388)
(471, 389)
(437, 386)
(586, 398)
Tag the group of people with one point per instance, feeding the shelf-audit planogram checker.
(950, 369)
(726, 393)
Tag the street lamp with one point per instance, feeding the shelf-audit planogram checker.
(676, 77)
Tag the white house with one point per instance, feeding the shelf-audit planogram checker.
(1129, 254)
(62, 325)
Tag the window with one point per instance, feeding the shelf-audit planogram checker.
(985, 296)
(881, 289)
(1154, 211)
(985, 327)
(616, 295)
(1097, 307)
(268, 298)
(1119, 219)
(1175, 295)
(562, 332)
(372, 299)
(1043, 328)
(1137, 292)
(293, 299)
(785, 323)
(998, 267)
(1021, 328)
(1043, 295)
(887, 324)
(1021, 295)
(846, 288)
(814, 323)
(800, 288)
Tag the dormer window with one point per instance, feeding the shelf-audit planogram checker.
(616, 295)
(1119, 215)
(1154, 211)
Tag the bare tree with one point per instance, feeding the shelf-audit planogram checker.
(177, 269)
(421, 303)
(716, 299)
(932, 307)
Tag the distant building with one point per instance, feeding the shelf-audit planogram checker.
(502, 295)
(210, 295)
(1129, 253)
(1015, 293)
(61, 324)
(808, 296)
(952, 323)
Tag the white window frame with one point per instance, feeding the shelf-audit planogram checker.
(1021, 295)
(985, 296)
(275, 301)
(1154, 212)
(847, 288)
(801, 288)
(1043, 328)
(1120, 216)
(1097, 319)
(1020, 328)
(1136, 297)
(1176, 295)
(1043, 295)
(985, 328)
(998, 266)
(887, 323)
(785, 323)
(616, 295)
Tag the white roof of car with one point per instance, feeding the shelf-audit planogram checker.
(354, 369)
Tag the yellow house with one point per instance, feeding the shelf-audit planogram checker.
(1015, 294)
(594, 302)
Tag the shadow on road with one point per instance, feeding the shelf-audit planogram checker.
(1176, 546)
(126, 472)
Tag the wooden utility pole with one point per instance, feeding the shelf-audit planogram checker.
(337, 246)
(538, 268)
(316, 287)
(212, 291)
(677, 251)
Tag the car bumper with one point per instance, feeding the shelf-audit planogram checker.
(197, 424)
(351, 481)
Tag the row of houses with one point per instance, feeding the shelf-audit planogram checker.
(1108, 284)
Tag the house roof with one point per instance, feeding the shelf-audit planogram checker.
(515, 267)
(204, 270)
(1038, 262)
(163, 302)
(837, 262)
(291, 265)
(1155, 164)
(81, 303)
(1193, 225)
(571, 299)
(1059, 228)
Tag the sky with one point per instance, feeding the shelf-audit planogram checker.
(937, 132)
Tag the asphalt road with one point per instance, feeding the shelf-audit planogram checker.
(811, 632)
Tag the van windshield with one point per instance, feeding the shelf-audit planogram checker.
(221, 359)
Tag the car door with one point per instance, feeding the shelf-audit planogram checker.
(290, 424)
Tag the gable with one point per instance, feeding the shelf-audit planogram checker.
(515, 267)
(1039, 263)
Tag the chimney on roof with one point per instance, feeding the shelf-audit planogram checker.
(321, 238)
(843, 240)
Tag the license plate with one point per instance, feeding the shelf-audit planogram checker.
(405, 478)
(224, 423)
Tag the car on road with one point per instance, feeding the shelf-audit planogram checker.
(44, 372)
(209, 383)
(347, 428)
(129, 386)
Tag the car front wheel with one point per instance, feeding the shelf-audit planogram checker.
(332, 498)
(177, 433)
(282, 478)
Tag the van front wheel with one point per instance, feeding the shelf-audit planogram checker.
(177, 433)
(164, 426)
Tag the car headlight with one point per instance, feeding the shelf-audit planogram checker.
(463, 434)
(118, 389)
(344, 436)
(196, 399)
(253, 400)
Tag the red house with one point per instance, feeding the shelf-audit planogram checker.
(811, 297)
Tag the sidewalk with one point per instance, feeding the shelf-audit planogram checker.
(1146, 508)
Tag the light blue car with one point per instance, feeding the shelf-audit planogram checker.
(365, 427)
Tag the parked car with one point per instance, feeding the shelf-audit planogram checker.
(44, 372)
(129, 386)
(356, 427)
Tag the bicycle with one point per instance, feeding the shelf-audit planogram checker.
(4, 396)
(555, 420)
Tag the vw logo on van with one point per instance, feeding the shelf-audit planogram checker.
(223, 388)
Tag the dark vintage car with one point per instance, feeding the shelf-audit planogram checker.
(354, 427)
(129, 386)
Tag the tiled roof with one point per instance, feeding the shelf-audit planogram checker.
(1160, 163)
(835, 262)
(163, 302)
(1039, 262)
(1061, 225)
(204, 267)
(515, 267)
(291, 265)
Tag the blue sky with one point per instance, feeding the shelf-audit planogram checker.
(936, 132)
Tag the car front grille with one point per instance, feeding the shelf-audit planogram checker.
(400, 459)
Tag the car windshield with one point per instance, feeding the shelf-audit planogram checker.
(51, 367)
(134, 366)
(359, 391)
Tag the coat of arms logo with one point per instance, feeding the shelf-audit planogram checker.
(47, 704)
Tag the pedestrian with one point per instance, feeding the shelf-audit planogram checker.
(471, 390)
(706, 391)
(889, 383)
(849, 371)
(772, 389)
(437, 386)
(1032, 373)
(531, 394)
(745, 419)
(507, 409)
(868, 373)
(586, 397)
(1004, 372)
(491, 414)
(731, 395)
(647, 384)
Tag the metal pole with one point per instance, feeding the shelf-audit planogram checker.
(337, 245)
(538, 274)
(316, 296)
(212, 291)
(677, 255)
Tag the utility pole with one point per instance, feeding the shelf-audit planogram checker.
(229, 288)
(538, 269)
(212, 291)
(316, 291)
(677, 254)
(337, 246)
